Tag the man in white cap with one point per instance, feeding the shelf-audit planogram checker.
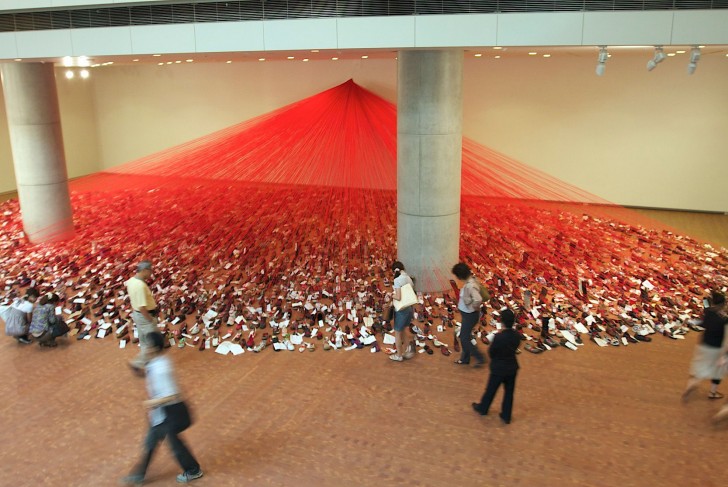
(144, 311)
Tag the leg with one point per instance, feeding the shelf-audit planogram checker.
(399, 343)
(494, 381)
(182, 454)
(509, 384)
(154, 436)
(466, 331)
(143, 328)
(691, 386)
(714, 394)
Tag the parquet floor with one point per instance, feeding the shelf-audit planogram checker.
(72, 416)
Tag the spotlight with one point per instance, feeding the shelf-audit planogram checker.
(694, 58)
(602, 60)
(69, 74)
(84, 74)
(656, 59)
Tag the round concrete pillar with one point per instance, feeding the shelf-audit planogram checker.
(34, 123)
(429, 160)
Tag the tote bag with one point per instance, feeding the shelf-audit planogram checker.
(409, 298)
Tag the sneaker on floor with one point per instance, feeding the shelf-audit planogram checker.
(24, 341)
(186, 477)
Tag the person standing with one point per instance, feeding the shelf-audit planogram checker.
(710, 352)
(402, 318)
(469, 307)
(503, 368)
(144, 310)
(168, 415)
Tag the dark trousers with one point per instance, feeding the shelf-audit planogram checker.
(466, 334)
(494, 382)
(155, 435)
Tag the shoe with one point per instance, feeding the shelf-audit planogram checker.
(504, 420)
(476, 408)
(132, 480)
(25, 341)
(532, 349)
(396, 358)
(642, 338)
(428, 350)
(715, 395)
(186, 477)
(445, 351)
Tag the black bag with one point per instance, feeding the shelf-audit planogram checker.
(178, 417)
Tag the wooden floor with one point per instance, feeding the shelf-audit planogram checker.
(72, 416)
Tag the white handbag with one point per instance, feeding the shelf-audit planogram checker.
(409, 298)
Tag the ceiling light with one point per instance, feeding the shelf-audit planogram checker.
(67, 61)
(228, 62)
(497, 57)
(477, 55)
(84, 73)
(135, 60)
(701, 47)
(160, 64)
(305, 60)
(547, 55)
(336, 59)
(694, 58)
(156, 55)
(169, 62)
(189, 60)
(290, 57)
(602, 60)
(680, 52)
(19, 59)
(261, 59)
(365, 57)
(69, 74)
(670, 54)
(532, 53)
(656, 59)
(497, 47)
(177, 62)
(314, 50)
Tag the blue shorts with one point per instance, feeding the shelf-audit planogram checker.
(403, 318)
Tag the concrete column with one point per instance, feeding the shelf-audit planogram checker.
(34, 123)
(429, 160)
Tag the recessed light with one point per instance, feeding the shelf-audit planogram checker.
(314, 50)
(189, 60)
(305, 60)
(532, 53)
(497, 47)
(336, 59)
(156, 55)
(671, 54)
(135, 60)
(497, 57)
(547, 55)
(228, 62)
(19, 59)
(365, 57)
(261, 59)
(680, 52)
(291, 57)
(477, 55)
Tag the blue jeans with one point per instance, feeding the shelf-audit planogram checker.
(403, 318)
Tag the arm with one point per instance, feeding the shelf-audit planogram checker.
(161, 401)
(397, 294)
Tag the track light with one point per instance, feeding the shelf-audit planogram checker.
(656, 59)
(602, 60)
(694, 58)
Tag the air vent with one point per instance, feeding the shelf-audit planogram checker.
(216, 11)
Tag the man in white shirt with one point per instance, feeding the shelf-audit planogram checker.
(144, 310)
(168, 415)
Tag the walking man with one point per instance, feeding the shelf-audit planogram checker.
(144, 311)
(503, 368)
(168, 415)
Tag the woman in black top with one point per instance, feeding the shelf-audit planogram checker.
(707, 361)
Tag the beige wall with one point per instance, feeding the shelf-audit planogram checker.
(78, 119)
(633, 137)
